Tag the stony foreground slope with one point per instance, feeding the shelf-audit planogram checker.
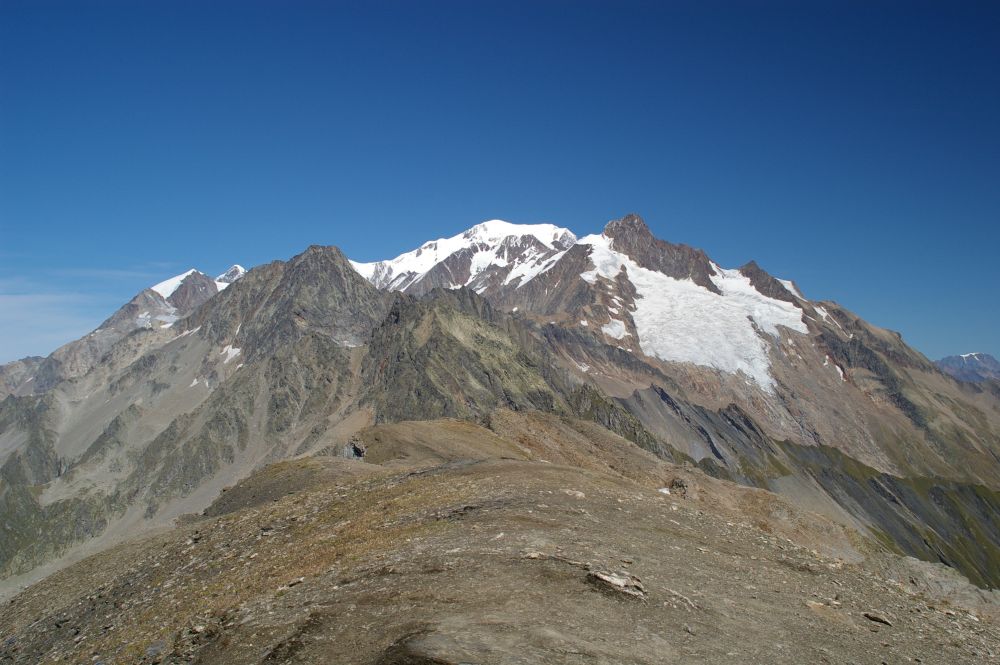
(546, 540)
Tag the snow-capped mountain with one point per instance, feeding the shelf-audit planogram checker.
(168, 287)
(485, 258)
(153, 308)
(679, 320)
(182, 294)
(972, 367)
(234, 272)
(667, 301)
(187, 389)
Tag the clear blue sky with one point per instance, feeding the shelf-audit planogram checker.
(853, 147)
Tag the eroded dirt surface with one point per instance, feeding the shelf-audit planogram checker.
(503, 559)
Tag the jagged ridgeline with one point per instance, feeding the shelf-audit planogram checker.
(198, 382)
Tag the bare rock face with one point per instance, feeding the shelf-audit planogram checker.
(14, 375)
(194, 291)
(631, 236)
(557, 291)
(766, 284)
(146, 310)
(316, 291)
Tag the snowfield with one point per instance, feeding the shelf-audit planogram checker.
(679, 321)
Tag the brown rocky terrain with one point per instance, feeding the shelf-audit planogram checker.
(544, 539)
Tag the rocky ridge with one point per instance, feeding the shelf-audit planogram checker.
(299, 357)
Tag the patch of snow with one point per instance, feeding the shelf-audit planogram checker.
(680, 321)
(167, 287)
(827, 317)
(235, 272)
(230, 352)
(483, 260)
(193, 383)
(188, 332)
(664, 490)
(827, 363)
(527, 270)
(790, 285)
(366, 270)
(584, 323)
(615, 328)
(167, 319)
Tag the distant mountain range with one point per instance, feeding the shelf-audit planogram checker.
(159, 306)
(198, 381)
(974, 367)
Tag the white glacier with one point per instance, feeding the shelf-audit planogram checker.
(680, 321)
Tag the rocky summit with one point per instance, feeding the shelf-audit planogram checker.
(513, 445)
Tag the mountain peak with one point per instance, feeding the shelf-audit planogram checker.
(631, 236)
(631, 224)
(496, 230)
(489, 251)
(769, 285)
(234, 272)
(167, 287)
(973, 367)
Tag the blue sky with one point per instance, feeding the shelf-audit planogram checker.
(853, 147)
